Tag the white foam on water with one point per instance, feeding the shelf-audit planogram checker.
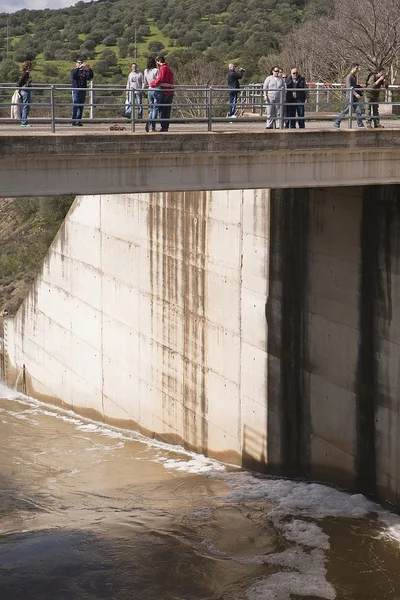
(281, 586)
(305, 533)
(299, 498)
(198, 464)
(189, 462)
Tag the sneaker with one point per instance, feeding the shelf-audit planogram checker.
(361, 126)
(147, 127)
(337, 125)
(370, 126)
(25, 125)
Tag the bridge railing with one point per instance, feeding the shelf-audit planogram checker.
(52, 105)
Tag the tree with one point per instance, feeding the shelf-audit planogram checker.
(109, 57)
(366, 31)
(155, 47)
(9, 71)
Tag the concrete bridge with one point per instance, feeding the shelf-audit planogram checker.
(235, 293)
(117, 162)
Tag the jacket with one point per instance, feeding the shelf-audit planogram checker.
(25, 80)
(272, 87)
(292, 95)
(80, 77)
(372, 79)
(164, 81)
(16, 105)
(233, 79)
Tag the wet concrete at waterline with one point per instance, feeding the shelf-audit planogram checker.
(90, 512)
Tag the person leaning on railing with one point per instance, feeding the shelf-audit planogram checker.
(374, 83)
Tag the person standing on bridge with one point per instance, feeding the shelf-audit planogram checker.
(134, 92)
(234, 74)
(375, 82)
(81, 74)
(296, 97)
(353, 95)
(274, 87)
(154, 95)
(24, 85)
(165, 82)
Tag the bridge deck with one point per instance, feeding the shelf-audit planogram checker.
(102, 161)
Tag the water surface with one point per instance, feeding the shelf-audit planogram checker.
(90, 512)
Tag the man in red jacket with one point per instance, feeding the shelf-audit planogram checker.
(165, 82)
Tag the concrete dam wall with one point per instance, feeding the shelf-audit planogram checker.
(258, 327)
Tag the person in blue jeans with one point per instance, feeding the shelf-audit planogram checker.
(234, 74)
(150, 74)
(24, 85)
(353, 96)
(80, 76)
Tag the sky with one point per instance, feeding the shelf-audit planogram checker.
(10, 6)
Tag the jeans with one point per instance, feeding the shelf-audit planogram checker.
(232, 103)
(165, 110)
(25, 100)
(154, 98)
(291, 110)
(372, 109)
(138, 102)
(356, 108)
(78, 98)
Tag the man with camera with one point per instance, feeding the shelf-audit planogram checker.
(81, 74)
(375, 82)
(234, 74)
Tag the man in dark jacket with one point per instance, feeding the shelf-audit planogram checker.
(80, 76)
(375, 82)
(234, 75)
(296, 97)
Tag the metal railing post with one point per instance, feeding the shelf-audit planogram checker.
(133, 98)
(52, 110)
(281, 118)
(317, 97)
(91, 98)
(351, 109)
(210, 111)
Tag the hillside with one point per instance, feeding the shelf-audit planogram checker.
(110, 34)
(27, 228)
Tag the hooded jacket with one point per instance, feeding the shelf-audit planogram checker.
(165, 80)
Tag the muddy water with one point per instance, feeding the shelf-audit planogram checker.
(90, 512)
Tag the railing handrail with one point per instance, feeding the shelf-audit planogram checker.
(194, 103)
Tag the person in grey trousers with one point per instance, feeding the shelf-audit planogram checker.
(352, 97)
(274, 97)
